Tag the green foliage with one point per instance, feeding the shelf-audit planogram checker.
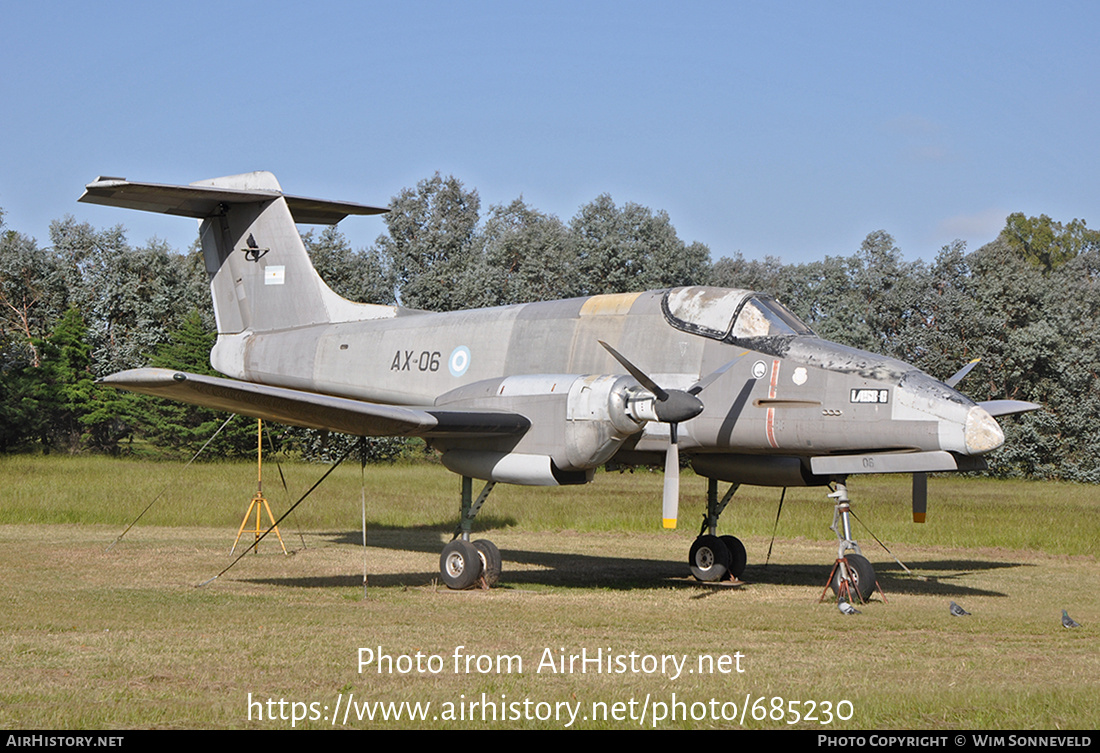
(525, 256)
(1047, 244)
(430, 245)
(180, 426)
(33, 294)
(1027, 304)
(620, 250)
(58, 392)
(357, 276)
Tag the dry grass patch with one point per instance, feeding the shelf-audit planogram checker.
(118, 639)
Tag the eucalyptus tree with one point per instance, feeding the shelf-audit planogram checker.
(33, 293)
(356, 275)
(622, 249)
(1044, 243)
(525, 255)
(429, 247)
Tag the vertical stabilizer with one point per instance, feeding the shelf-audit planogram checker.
(260, 275)
(261, 278)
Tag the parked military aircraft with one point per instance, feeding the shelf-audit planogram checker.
(544, 393)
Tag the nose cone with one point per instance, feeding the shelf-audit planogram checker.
(981, 433)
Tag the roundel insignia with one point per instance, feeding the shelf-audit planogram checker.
(759, 369)
(459, 361)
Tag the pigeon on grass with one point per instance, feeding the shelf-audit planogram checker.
(957, 611)
(846, 608)
(1067, 621)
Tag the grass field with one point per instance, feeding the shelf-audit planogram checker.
(123, 638)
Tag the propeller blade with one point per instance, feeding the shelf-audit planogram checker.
(670, 504)
(705, 382)
(958, 376)
(997, 408)
(670, 407)
(920, 496)
(634, 371)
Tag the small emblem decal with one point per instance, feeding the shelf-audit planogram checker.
(274, 275)
(759, 369)
(459, 361)
(799, 376)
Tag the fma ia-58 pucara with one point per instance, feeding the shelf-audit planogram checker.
(544, 393)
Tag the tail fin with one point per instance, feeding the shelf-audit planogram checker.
(261, 277)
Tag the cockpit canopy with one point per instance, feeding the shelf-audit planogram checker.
(730, 315)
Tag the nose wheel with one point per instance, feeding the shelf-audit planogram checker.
(853, 578)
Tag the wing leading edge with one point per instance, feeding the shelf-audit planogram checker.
(316, 411)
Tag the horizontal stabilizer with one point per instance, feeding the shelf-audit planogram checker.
(202, 201)
(316, 411)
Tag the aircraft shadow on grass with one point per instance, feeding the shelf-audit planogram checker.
(628, 572)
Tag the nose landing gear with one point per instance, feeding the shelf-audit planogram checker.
(852, 577)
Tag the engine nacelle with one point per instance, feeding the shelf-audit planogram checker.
(578, 422)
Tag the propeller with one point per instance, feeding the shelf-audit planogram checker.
(958, 375)
(670, 407)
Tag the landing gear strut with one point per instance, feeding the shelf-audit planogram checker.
(464, 563)
(853, 577)
(714, 557)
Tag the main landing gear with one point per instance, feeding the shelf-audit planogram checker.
(464, 563)
(713, 557)
(853, 577)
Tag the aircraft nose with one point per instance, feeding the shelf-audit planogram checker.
(982, 433)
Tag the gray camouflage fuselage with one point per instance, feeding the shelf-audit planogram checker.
(780, 406)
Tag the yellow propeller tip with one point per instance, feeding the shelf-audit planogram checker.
(669, 522)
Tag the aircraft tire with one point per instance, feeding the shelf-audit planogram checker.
(709, 559)
(862, 574)
(739, 558)
(490, 561)
(459, 565)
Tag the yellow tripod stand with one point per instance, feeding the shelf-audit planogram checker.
(258, 502)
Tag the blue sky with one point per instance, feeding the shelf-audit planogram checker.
(789, 129)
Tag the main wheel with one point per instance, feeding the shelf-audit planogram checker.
(459, 565)
(739, 558)
(490, 560)
(709, 559)
(862, 576)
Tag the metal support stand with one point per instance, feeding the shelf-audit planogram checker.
(845, 591)
(258, 502)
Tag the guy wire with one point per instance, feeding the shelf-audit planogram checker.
(162, 491)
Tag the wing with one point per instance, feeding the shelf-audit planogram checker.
(316, 411)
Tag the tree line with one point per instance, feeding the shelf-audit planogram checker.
(88, 304)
